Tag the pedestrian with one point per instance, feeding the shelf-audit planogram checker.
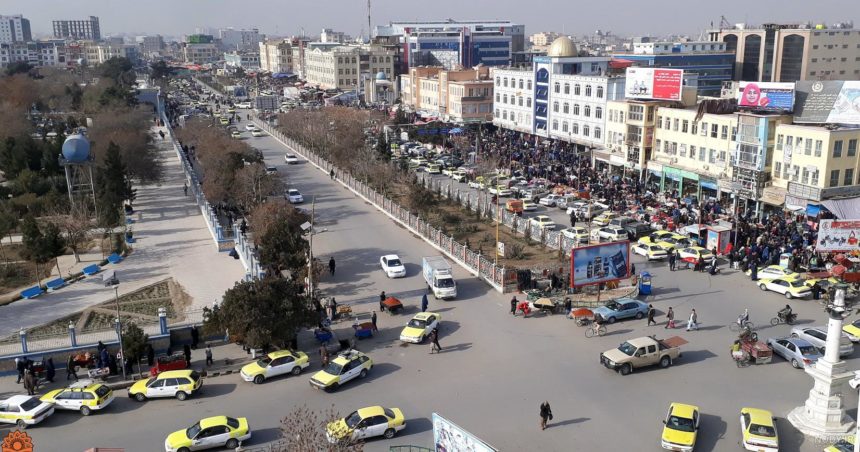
(424, 303)
(29, 382)
(670, 319)
(671, 261)
(70, 368)
(103, 358)
(545, 414)
(382, 301)
(568, 303)
(50, 370)
(161, 133)
(20, 365)
(195, 337)
(324, 355)
(632, 268)
(514, 305)
(209, 361)
(651, 313)
(331, 266)
(434, 341)
(754, 271)
(331, 174)
(186, 350)
(692, 323)
(185, 189)
(150, 355)
(373, 321)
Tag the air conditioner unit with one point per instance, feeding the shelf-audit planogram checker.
(705, 167)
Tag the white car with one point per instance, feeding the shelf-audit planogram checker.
(291, 159)
(458, 176)
(650, 251)
(577, 233)
(529, 206)
(258, 133)
(250, 127)
(500, 190)
(790, 288)
(243, 105)
(271, 170)
(550, 200)
(774, 271)
(23, 410)
(294, 196)
(392, 266)
(543, 222)
(612, 233)
(817, 336)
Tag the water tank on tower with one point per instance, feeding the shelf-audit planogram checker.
(76, 149)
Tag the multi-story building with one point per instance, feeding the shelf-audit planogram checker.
(232, 39)
(543, 39)
(152, 45)
(791, 52)
(276, 56)
(709, 60)
(814, 163)
(78, 29)
(99, 53)
(561, 96)
(753, 159)
(452, 44)
(330, 36)
(344, 67)
(630, 133)
(244, 60)
(14, 29)
(456, 96)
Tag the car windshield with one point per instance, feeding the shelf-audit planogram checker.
(612, 306)
(843, 446)
(796, 283)
(445, 283)
(264, 362)
(680, 424)
(193, 431)
(353, 419)
(416, 323)
(233, 423)
(102, 391)
(627, 348)
(333, 368)
(762, 430)
(294, 192)
(30, 404)
(394, 263)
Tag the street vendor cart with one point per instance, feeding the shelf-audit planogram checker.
(363, 326)
(392, 305)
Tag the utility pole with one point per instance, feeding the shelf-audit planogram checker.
(311, 251)
(369, 33)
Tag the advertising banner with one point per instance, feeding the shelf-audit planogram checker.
(599, 263)
(828, 102)
(766, 96)
(658, 84)
(838, 235)
(449, 437)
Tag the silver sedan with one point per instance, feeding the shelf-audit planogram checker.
(798, 352)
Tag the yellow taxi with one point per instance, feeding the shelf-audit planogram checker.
(172, 383)
(824, 283)
(843, 445)
(224, 121)
(281, 362)
(604, 218)
(680, 427)
(673, 242)
(759, 430)
(774, 271)
(657, 237)
(85, 396)
(695, 252)
(24, 410)
(852, 330)
(346, 366)
(216, 431)
(366, 423)
(420, 327)
(787, 286)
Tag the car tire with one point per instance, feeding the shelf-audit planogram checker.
(363, 373)
(184, 449)
(389, 433)
(793, 334)
(21, 424)
(181, 396)
(259, 379)
(333, 387)
(140, 397)
(788, 295)
(611, 320)
(762, 287)
(232, 444)
(626, 369)
(665, 362)
(795, 364)
(85, 411)
(297, 370)
(639, 315)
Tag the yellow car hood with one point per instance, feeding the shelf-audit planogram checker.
(325, 377)
(338, 429)
(679, 437)
(252, 369)
(851, 329)
(412, 332)
(138, 387)
(49, 397)
(178, 439)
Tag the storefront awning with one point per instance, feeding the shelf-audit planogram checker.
(709, 184)
(844, 209)
(774, 196)
(813, 210)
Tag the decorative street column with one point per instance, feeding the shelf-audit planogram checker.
(23, 335)
(73, 338)
(823, 415)
(162, 320)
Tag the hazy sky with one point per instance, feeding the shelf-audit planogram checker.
(287, 17)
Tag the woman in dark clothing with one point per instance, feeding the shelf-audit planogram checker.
(50, 370)
(545, 414)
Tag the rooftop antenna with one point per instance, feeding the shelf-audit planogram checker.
(369, 37)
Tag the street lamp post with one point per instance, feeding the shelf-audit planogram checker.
(119, 329)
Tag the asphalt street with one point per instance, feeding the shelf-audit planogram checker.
(495, 369)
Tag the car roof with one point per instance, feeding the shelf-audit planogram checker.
(84, 384)
(371, 411)
(424, 315)
(759, 416)
(213, 421)
(280, 354)
(683, 410)
(796, 341)
(175, 373)
(347, 356)
(293, 189)
(391, 256)
(17, 399)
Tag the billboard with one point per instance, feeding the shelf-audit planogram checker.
(449, 437)
(838, 235)
(833, 102)
(766, 96)
(650, 83)
(599, 263)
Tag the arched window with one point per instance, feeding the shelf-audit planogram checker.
(340, 60)
(505, 99)
(576, 89)
(521, 83)
(373, 59)
(505, 82)
(557, 87)
(597, 132)
(528, 102)
(528, 84)
(566, 108)
(353, 60)
(564, 126)
(520, 101)
(555, 107)
(498, 81)
(587, 90)
(587, 111)
(598, 112)
(388, 59)
(505, 115)
(497, 112)
(567, 88)
(585, 130)
(498, 97)
(574, 129)
(600, 92)
(576, 109)
(554, 124)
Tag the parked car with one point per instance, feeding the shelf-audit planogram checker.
(774, 271)
(790, 288)
(758, 430)
(578, 234)
(366, 423)
(622, 308)
(281, 362)
(650, 251)
(680, 427)
(550, 200)
(543, 222)
(817, 336)
(612, 233)
(795, 350)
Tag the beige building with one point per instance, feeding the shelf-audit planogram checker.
(630, 133)
(99, 53)
(457, 95)
(791, 52)
(276, 56)
(543, 39)
(814, 163)
(342, 67)
(201, 53)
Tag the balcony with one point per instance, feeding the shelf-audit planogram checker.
(474, 98)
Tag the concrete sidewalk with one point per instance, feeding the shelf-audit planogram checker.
(172, 240)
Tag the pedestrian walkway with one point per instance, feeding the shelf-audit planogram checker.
(171, 240)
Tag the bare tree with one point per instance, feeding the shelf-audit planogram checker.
(76, 226)
(253, 185)
(305, 429)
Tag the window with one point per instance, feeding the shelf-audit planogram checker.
(505, 115)
(714, 130)
(498, 96)
(776, 167)
(657, 145)
(505, 82)
(852, 147)
(685, 125)
(849, 177)
(521, 83)
(837, 149)
(818, 146)
(505, 99)
(557, 87)
(676, 124)
(702, 154)
(576, 89)
(520, 101)
(805, 179)
(528, 84)
(497, 113)
(724, 132)
(597, 132)
(814, 177)
(554, 124)
(574, 129)
(598, 113)
(587, 111)
(587, 90)
(600, 92)
(585, 130)
(808, 149)
(694, 129)
(834, 178)
(567, 88)
(564, 126)
(712, 156)
(566, 108)
(576, 109)
(704, 132)
(555, 107)
(693, 152)
(528, 102)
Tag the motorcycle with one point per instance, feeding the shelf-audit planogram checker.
(782, 318)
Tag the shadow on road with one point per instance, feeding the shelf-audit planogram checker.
(380, 371)
(618, 332)
(418, 425)
(266, 435)
(712, 429)
(578, 420)
(694, 356)
(456, 348)
(218, 389)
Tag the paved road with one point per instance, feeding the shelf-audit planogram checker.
(496, 369)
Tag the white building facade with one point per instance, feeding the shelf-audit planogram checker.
(14, 29)
(276, 56)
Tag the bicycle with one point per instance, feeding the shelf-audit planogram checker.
(595, 329)
(735, 327)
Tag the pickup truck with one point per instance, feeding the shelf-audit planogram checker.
(632, 226)
(642, 352)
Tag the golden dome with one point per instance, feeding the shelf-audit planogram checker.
(562, 47)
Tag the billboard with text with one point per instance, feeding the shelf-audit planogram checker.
(450, 437)
(838, 235)
(599, 263)
(766, 96)
(828, 102)
(650, 83)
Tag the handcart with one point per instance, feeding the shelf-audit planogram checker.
(582, 316)
(392, 305)
(363, 326)
(545, 305)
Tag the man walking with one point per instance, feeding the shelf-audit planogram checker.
(671, 261)
(692, 323)
(382, 301)
(514, 305)
(373, 321)
(651, 313)
(331, 266)
(424, 303)
(185, 189)
(209, 360)
(434, 341)
(545, 414)
(20, 365)
(670, 319)
(186, 350)
(70, 368)
(29, 382)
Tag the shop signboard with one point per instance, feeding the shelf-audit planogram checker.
(838, 235)
(449, 437)
(657, 84)
(766, 96)
(600, 263)
(828, 102)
